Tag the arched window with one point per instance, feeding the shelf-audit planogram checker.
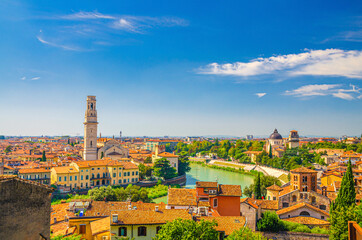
(313, 199)
(304, 213)
(91, 143)
(142, 231)
(98, 176)
(91, 106)
(294, 198)
(122, 231)
(301, 196)
(158, 229)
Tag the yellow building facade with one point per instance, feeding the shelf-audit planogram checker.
(95, 173)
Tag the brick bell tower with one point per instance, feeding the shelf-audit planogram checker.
(90, 130)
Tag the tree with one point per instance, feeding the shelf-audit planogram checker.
(145, 171)
(257, 187)
(62, 237)
(43, 158)
(347, 194)
(185, 229)
(245, 233)
(162, 168)
(8, 149)
(102, 155)
(339, 218)
(270, 222)
(148, 160)
(270, 151)
(265, 181)
(183, 165)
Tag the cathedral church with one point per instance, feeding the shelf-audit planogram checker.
(94, 150)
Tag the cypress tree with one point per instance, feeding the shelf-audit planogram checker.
(257, 187)
(43, 158)
(270, 151)
(347, 194)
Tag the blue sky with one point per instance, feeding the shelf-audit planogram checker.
(181, 67)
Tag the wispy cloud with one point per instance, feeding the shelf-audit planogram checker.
(329, 62)
(260, 95)
(24, 78)
(335, 90)
(84, 30)
(351, 33)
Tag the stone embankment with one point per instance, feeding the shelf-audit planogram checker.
(268, 171)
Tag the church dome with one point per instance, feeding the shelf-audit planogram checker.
(275, 135)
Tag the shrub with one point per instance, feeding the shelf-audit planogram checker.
(270, 222)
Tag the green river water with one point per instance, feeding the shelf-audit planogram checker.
(201, 173)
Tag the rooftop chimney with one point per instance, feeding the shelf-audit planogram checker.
(156, 208)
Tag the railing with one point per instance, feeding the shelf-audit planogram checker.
(354, 231)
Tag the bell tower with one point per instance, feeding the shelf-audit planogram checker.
(90, 130)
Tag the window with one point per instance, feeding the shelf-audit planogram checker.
(268, 197)
(114, 182)
(70, 178)
(322, 217)
(92, 168)
(120, 174)
(304, 213)
(215, 202)
(82, 228)
(65, 178)
(114, 175)
(81, 177)
(81, 185)
(132, 173)
(294, 198)
(124, 181)
(323, 207)
(142, 231)
(119, 181)
(86, 177)
(274, 198)
(136, 173)
(158, 229)
(81, 170)
(285, 204)
(75, 178)
(313, 199)
(122, 231)
(60, 179)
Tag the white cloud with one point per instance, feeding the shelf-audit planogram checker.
(260, 94)
(23, 78)
(35, 78)
(84, 30)
(329, 62)
(335, 90)
(54, 44)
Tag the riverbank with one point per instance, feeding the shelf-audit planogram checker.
(229, 168)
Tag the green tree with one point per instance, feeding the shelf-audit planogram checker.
(43, 158)
(145, 171)
(185, 229)
(183, 165)
(8, 149)
(162, 168)
(270, 222)
(245, 233)
(102, 155)
(148, 160)
(62, 237)
(346, 194)
(257, 187)
(339, 218)
(270, 151)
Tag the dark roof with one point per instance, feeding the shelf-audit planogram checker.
(275, 135)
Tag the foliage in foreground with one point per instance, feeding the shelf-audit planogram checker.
(181, 229)
(62, 237)
(245, 233)
(131, 192)
(270, 222)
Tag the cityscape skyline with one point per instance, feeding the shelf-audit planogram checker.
(181, 69)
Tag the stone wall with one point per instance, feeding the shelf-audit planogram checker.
(25, 210)
(295, 236)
